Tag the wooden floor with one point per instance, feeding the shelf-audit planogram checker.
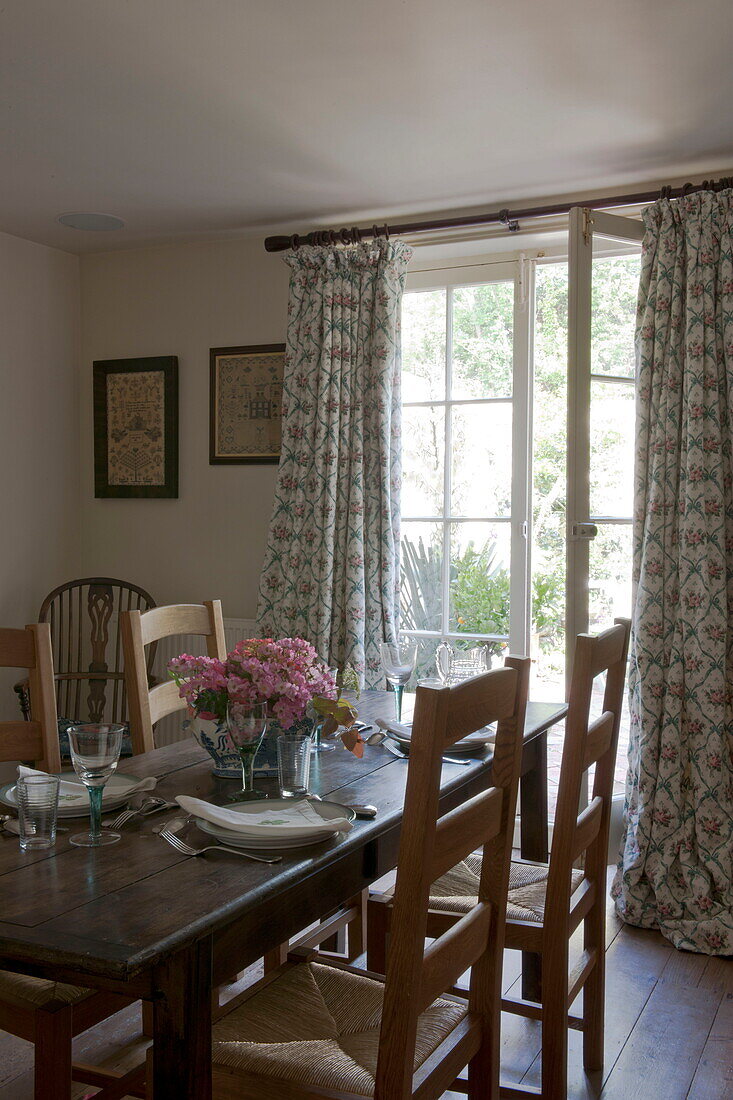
(669, 1030)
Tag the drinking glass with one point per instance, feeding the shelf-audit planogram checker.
(38, 802)
(294, 764)
(317, 743)
(398, 665)
(95, 752)
(247, 724)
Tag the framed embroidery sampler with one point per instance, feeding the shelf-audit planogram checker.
(136, 427)
(246, 403)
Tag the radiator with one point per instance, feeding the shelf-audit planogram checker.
(168, 729)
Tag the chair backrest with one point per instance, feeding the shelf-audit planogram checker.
(141, 629)
(430, 845)
(35, 741)
(587, 743)
(84, 616)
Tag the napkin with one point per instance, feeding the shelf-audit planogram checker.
(487, 733)
(73, 787)
(287, 821)
(395, 727)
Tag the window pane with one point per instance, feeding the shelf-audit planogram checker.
(421, 576)
(615, 288)
(611, 449)
(483, 331)
(423, 345)
(481, 460)
(479, 581)
(423, 445)
(547, 644)
(609, 575)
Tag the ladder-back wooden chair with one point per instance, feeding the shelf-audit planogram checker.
(47, 1013)
(84, 616)
(547, 903)
(324, 1029)
(140, 629)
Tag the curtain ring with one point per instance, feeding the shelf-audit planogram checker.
(509, 223)
(356, 235)
(686, 188)
(345, 236)
(295, 242)
(386, 232)
(665, 193)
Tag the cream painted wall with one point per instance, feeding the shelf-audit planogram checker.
(39, 440)
(182, 300)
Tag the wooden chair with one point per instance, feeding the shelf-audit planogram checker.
(140, 629)
(48, 1013)
(547, 903)
(84, 616)
(314, 1029)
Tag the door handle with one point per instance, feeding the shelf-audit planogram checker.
(584, 530)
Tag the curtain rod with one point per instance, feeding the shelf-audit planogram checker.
(509, 218)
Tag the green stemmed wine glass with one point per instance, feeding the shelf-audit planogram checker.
(247, 724)
(398, 665)
(95, 752)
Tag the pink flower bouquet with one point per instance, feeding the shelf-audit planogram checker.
(286, 674)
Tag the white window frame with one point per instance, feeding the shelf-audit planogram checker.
(521, 273)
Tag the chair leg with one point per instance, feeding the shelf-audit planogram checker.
(594, 1013)
(376, 937)
(276, 957)
(355, 945)
(147, 1019)
(555, 1026)
(52, 1072)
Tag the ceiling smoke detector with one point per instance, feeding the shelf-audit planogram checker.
(96, 223)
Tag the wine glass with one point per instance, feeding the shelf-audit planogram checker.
(95, 752)
(247, 724)
(398, 665)
(318, 744)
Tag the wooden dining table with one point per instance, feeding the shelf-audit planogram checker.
(140, 919)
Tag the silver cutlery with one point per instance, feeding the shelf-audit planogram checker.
(10, 826)
(186, 849)
(391, 747)
(147, 807)
(367, 811)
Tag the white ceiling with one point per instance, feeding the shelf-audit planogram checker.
(198, 117)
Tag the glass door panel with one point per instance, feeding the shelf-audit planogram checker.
(464, 434)
(603, 290)
(549, 485)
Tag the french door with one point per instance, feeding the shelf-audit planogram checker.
(464, 553)
(600, 450)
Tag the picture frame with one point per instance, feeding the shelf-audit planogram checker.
(245, 396)
(136, 427)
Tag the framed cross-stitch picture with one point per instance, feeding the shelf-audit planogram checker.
(136, 427)
(246, 403)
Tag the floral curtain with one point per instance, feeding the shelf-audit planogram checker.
(676, 869)
(331, 569)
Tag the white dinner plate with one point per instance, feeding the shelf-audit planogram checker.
(327, 810)
(116, 794)
(473, 743)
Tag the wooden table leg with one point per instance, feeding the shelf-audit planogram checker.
(182, 1024)
(534, 844)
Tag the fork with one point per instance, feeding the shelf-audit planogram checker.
(148, 807)
(186, 849)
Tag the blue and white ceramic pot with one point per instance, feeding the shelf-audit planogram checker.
(213, 736)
